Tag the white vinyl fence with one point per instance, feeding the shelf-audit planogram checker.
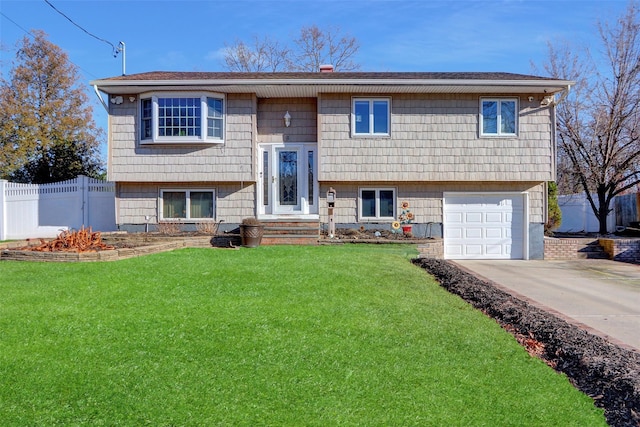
(578, 217)
(44, 210)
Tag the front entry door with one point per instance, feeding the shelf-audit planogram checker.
(288, 179)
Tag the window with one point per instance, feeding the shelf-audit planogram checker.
(182, 119)
(187, 204)
(370, 116)
(377, 203)
(498, 117)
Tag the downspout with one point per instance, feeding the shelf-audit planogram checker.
(106, 107)
(564, 95)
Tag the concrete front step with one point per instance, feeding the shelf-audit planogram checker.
(291, 232)
(289, 239)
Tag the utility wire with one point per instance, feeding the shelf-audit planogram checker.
(16, 24)
(115, 49)
(29, 33)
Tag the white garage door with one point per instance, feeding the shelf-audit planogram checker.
(484, 226)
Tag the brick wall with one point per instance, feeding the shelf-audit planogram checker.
(432, 249)
(560, 249)
(626, 250)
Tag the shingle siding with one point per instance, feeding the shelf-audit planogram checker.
(233, 202)
(433, 137)
(130, 161)
(304, 116)
(425, 199)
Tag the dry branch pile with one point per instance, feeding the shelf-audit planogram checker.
(83, 240)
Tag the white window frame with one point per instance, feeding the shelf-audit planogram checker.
(187, 192)
(499, 132)
(377, 216)
(371, 117)
(202, 138)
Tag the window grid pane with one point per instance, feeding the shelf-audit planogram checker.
(361, 113)
(214, 118)
(508, 117)
(201, 204)
(146, 113)
(386, 204)
(380, 117)
(489, 117)
(174, 204)
(368, 203)
(179, 116)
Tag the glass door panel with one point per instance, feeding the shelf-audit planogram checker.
(288, 180)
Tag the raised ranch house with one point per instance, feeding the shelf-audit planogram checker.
(470, 152)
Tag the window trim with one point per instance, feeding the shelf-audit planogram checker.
(371, 132)
(379, 218)
(187, 192)
(202, 138)
(499, 133)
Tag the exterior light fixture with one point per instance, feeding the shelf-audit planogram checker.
(287, 119)
(547, 100)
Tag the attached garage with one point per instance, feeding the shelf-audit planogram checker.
(485, 226)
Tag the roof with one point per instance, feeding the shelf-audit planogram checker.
(311, 84)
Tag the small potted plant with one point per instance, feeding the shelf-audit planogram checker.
(406, 218)
(251, 231)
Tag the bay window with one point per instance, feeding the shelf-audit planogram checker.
(182, 118)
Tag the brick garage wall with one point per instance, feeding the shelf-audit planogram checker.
(432, 249)
(626, 250)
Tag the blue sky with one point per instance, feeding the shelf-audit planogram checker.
(395, 35)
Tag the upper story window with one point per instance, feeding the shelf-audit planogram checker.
(370, 116)
(183, 118)
(498, 117)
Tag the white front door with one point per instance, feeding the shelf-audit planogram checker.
(288, 183)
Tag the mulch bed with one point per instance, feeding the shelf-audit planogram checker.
(610, 374)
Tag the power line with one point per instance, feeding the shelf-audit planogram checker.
(17, 25)
(29, 33)
(115, 49)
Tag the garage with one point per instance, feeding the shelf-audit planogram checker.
(485, 225)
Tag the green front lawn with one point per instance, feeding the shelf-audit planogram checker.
(352, 335)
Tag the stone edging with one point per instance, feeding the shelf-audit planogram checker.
(7, 253)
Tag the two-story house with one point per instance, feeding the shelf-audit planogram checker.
(470, 152)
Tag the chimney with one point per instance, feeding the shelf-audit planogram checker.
(326, 68)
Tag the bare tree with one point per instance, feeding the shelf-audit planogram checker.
(598, 123)
(316, 47)
(313, 47)
(261, 55)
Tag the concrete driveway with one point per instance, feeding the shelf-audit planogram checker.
(599, 295)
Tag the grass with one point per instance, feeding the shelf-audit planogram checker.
(292, 336)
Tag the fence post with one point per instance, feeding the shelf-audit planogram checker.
(83, 186)
(3, 209)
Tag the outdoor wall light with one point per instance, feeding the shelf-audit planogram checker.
(132, 98)
(287, 119)
(116, 100)
(547, 100)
